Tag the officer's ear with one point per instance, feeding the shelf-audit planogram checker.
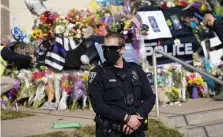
(122, 50)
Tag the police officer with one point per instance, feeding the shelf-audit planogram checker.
(6, 56)
(216, 25)
(10, 56)
(120, 93)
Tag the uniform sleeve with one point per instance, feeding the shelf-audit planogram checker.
(95, 90)
(147, 94)
(218, 27)
(18, 59)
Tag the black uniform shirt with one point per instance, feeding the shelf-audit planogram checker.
(218, 28)
(107, 91)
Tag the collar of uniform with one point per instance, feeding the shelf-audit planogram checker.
(125, 65)
(108, 66)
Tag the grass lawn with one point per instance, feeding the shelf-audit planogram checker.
(7, 114)
(156, 129)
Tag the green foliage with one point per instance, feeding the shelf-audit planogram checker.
(173, 96)
(177, 78)
(156, 129)
(6, 115)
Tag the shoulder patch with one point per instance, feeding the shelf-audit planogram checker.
(91, 76)
(134, 75)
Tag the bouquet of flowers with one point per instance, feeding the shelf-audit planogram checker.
(60, 25)
(74, 16)
(67, 83)
(101, 29)
(47, 30)
(173, 94)
(27, 90)
(79, 92)
(48, 17)
(37, 34)
(179, 80)
(80, 23)
(197, 84)
(194, 80)
(46, 22)
(40, 81)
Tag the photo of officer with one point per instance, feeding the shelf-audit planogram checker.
(120, 93)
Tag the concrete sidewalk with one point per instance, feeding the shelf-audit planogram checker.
(43, 121)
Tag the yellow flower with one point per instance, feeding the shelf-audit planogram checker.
(37, 33)
(198, 81)
(167, 90)
(176, 90)
(94, 6)
(190, 81)
(84, 77)
(170, 68)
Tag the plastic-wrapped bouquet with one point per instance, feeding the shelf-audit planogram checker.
(173, 94)
(196, 82)
(67, 83)
(40, 81)
(79, 92)
(27, 90)
(80, 23)
(179, 79)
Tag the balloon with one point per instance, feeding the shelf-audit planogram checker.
(36, 7)
(19, 35)
(94, 5)
(85, 60)
(109, 2)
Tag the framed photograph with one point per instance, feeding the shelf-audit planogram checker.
(156, 22)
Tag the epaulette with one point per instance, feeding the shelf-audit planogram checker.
(98, 69)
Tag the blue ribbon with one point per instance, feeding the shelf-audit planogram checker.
(57, 48)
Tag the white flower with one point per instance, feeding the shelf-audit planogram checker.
(59, 29)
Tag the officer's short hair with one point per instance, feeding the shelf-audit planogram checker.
(121, 38)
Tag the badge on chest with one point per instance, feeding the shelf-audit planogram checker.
(134, 75)
(112, 80)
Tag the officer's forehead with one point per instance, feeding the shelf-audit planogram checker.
(111, 41)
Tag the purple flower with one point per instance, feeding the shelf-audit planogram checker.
(79, 89)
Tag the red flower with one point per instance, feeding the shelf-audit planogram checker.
(164, 5)
(190, 77)
(38, 75)
(183, 4)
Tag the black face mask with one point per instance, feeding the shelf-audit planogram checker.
(111, 56)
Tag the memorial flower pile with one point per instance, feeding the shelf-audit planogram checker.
(53, 33)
